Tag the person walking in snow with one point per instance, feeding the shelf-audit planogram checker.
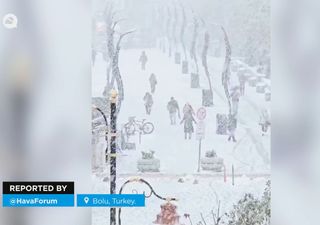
(242, 81)
(188, 121)
(232, 125)
(153, 82)
(148, 102)
(235, 97)
(173, 108)
(143, 60)
(188, 108)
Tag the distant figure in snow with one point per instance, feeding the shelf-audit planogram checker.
(232, 123)
(235, 97)
(143, 60)
(93, 56)
(188, 121)
(153, 82)
(173, 109)
(242, 81)
(148, 102)
(264, 121)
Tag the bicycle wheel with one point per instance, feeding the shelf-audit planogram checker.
(147, 128)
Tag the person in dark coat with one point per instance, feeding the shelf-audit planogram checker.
(232, 125)
(173, 108)
(242, 81)
(153, 82)
(264, 121)
(188, 108)
(235, 97)
(148, 102)
(143, 60)
(188, 121)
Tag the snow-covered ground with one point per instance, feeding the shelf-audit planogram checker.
(193, 199)
(249, 155)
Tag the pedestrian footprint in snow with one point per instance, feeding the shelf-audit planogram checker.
(148, 102)
(153, 82)
(188, 121)
(143, 60)
(173, 108)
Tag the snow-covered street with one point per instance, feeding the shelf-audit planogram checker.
(178, 156)
(165, 57)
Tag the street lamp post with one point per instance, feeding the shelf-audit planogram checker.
(106, 133)
(152, 192)
(113, 152)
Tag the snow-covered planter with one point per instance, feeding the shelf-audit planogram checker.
(261, 87)
(195, 80)
(207, 98)
(222, 124)
(148, 163)
(212, 162)
(185, 69)
(177, 58)
(252, 81)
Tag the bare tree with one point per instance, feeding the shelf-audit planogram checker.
(116, 76)
(193, 52)
(174, 27)
(168, 30)
(226, 69)
(182, 32)
(113, 53)
(204, 58)
(109, 15)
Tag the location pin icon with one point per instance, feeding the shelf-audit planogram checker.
(86, 200)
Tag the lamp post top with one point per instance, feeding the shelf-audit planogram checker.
(113, 95)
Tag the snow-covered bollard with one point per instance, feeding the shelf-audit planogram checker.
(261, 87)
(168, 215)
(212, 162)
(252, 81)
(148, 163)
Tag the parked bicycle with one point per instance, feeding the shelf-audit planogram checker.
(135, 126)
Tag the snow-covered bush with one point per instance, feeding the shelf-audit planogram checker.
(147, 155)
(211, 154)
(251, 210)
